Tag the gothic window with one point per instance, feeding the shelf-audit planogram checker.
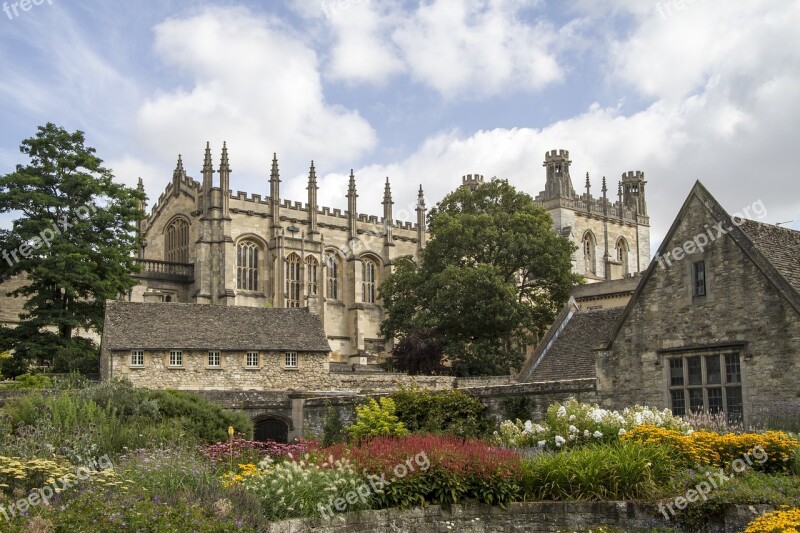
(311, 275)
(589, 251)
(247, 266)
(622, 254)
(293, 288)
(699, 275)
(176, 241)
(706, 382)
(368, 281)
(333, 277)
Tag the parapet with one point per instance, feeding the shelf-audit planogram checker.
(556, 154)
(633, 175)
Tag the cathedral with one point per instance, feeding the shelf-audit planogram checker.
(203, 244)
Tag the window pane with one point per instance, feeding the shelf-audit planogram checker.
(734, 397)
(696, 404)
(678, 403)
(676, 372)
(715, 400)
(699, 279)
(713, 376)
(695, 371)
(732, 369)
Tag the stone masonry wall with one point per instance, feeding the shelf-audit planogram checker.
(741, 306)
(531, 517)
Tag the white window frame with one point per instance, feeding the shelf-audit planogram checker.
(290, 360)
(252, 360)
(137, 358)
(217, 357)
(175, 358)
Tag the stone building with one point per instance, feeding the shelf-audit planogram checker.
(226, 347)
(713, 325)
(203, 244)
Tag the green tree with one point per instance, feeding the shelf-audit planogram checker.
(492, 278)
(74, 243)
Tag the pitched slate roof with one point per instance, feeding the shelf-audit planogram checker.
(570, 352)
(781, 247)
(166, 326)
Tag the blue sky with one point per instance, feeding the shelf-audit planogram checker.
(420, 92)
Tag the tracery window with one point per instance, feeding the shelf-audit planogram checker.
(247, 266)
(293, 287)
(176, 241)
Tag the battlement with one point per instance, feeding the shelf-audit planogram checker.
(556, 154)
(470, 178)
(633, 175)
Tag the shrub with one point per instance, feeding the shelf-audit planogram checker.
(373, 420)
(451, 411)
(300, 488)
(622, 470)
(207, 421)
(772, 451)
(777, 521)
(241, 450)
(437, 469)
(573, 423)
(332, 429)
(32, 381)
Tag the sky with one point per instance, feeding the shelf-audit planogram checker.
(421, 93)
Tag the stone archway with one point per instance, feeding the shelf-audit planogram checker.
(271, 427)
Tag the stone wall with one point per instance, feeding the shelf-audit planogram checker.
(741, 307)
(531, 517)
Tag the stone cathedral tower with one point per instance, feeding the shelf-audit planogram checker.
(613, 236)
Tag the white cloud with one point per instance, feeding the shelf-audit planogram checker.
(252, 82)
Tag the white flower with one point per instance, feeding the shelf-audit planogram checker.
(560, 440)
(571, 418)
(598, 435)
(562, 412)
(621, 432)
(528, 427)
(586, 433)
(542, 443)
(573, 429)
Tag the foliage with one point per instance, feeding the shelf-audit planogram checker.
(623, 470)
(437, 469)
(19, 475)
(748, 488)
(492, 277)
(204, 419)
(373, 420)
(74, 242)
(778, 414)
(419, 352)
(32, 381)
(449, 411)
(716, 422)
(333, 430)
(772, 451)
(242, 450)
(573, 423)
(301, 488)
(783, 520)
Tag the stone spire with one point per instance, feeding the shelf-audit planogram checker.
(588, 187)
(619, 199)
(208, 177)
(352, 213)
(177, 175)
(140, 225)
(312, 201)
(388, 217)
(421, 211)
(275, 196)
(606, 256)
(225, 179)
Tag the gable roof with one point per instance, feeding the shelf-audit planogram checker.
(568, 349)
(774, 250)
(174, 326)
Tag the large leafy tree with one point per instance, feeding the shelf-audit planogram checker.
(492, 278)
(73, 242)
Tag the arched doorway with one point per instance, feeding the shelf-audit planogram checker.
(271, 429)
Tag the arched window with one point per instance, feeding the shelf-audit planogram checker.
(589, 249)
(333, 277)
(622, 254)
(176, 241)
(311, 275)
(293, 287)
(368, 281)
(247, 266)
